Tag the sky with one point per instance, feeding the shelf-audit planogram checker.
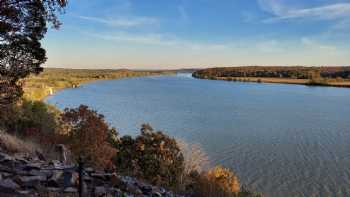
(168, 34)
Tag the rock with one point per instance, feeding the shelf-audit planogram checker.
(55, 164)
(8, 185)
(33, 166)
(156, 194)
(53, 189)
(70, 190)
(104, 176)
(89, 170)
(22, 160)
(146, 189)
(6, 158)
(52, 183)
(4, 175)
(116, 181)
(31, 181)
(56, 175)
(55, 179)
(6, 169)
(24, 192)
(100, 191)
(22, 175)
(40, 156)
(133, 189)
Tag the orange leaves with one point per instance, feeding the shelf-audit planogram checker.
(89, 136)
(225, 178)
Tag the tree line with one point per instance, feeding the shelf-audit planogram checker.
(295, 72)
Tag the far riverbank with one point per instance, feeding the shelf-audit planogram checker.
(341, 84)
(51, 80)
(312, 76)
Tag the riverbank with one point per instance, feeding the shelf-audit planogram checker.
(51, 80)
(343, 84)
(312, 76)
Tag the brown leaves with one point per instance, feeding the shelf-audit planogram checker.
(89, 136)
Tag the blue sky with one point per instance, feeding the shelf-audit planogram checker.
(155, 34)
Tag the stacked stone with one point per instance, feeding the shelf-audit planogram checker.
(28, 176)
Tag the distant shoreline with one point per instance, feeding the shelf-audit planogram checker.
(52, 80)
(310, 76)
(279, 81)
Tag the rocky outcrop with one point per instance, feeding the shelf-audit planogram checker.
(21, 175)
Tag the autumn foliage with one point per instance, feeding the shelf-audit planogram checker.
(152, 156)
(89, 135)
(226, 179)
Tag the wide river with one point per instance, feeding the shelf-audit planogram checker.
(281, 140)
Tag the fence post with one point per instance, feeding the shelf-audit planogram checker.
(80, 170)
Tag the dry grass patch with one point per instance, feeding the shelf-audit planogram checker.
(13, 144)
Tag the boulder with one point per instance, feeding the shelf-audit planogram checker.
(30, 181)
(8, 185)
(156, 194)
(100, 191)
(133, 189)
(70, 190)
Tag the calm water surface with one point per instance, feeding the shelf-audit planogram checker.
(282, 140)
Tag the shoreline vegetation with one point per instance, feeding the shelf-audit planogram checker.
(311, 76)
(51, 80)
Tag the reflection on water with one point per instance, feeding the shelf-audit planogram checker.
(282, 140)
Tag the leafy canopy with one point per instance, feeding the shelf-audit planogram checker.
(23, 23)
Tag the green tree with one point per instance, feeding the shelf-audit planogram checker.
(23, 23)
(152, 156)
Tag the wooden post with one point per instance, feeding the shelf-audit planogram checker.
(80, 169)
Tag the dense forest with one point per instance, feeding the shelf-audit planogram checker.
(295, 72)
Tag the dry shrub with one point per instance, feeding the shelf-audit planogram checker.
(226, 179)
(217, 182)
(195, 157)
(12, 144)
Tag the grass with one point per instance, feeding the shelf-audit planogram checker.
(51, 80)
(12, 144)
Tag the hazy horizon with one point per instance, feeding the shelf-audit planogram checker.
(199, 34)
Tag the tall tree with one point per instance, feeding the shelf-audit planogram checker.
(23, 23)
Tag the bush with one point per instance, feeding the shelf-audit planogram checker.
(217, 182)
(89, 136)
(226, 179)
(30, 119)
(13, 144)
(152, 156)
(195, 158)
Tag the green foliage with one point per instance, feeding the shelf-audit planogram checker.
(31, 118)
(151, 156)
(23, 25)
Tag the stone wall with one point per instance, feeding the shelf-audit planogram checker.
(21, 175)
